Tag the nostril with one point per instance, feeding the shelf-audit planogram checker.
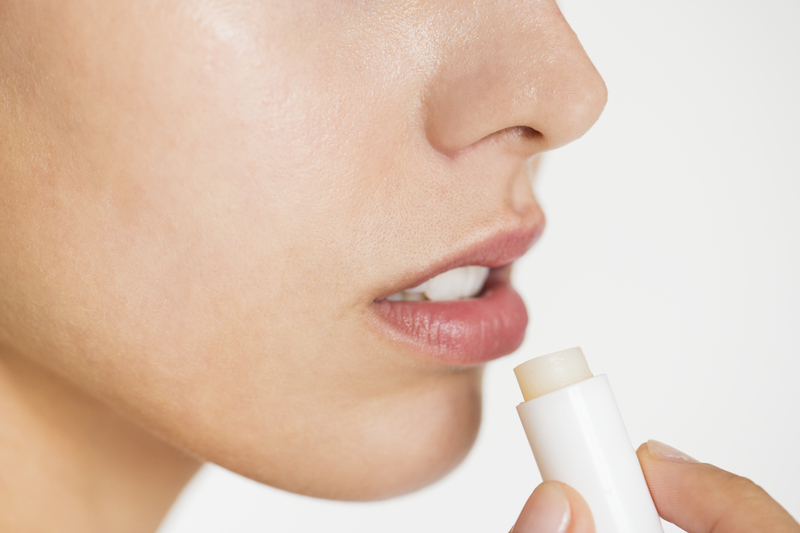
(521, 133)
(522, 139)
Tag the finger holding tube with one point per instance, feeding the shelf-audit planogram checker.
(554, 508)
(701, 498)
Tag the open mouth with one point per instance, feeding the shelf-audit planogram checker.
(455, 284)
(474, 318)
(462, 310)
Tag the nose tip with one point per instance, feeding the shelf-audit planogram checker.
(522, 71)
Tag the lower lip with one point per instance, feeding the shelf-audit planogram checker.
(463, 332)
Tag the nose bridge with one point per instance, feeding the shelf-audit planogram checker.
(511, 64)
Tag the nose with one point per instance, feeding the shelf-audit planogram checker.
(513, 69)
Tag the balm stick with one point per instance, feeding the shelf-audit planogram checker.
(577, 436)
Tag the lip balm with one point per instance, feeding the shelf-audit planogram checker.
(577, 436)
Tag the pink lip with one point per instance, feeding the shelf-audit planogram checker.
(465, 332)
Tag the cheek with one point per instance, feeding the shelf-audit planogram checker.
(209, 276)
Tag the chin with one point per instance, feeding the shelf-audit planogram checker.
(383, 448)
(420, 449)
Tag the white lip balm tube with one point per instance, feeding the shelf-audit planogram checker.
(577, 436)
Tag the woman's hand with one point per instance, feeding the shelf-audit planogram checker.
(697, 497)
(702, 498)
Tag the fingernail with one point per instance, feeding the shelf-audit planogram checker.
(664, 452)
(546, 511)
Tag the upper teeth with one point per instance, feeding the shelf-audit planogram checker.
(462, 282)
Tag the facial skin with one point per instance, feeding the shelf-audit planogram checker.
(201, 201)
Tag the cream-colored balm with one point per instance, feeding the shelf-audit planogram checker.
(577, 436)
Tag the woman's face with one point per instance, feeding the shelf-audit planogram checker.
(206, 203)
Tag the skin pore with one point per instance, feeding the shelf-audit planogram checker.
(201, 201)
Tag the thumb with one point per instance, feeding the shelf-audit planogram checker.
(554, 508)
(702, 498)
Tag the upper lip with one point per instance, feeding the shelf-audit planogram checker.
(496, 250)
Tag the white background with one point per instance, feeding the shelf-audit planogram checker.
(672, 256)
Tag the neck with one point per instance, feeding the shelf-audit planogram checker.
(70, 463)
